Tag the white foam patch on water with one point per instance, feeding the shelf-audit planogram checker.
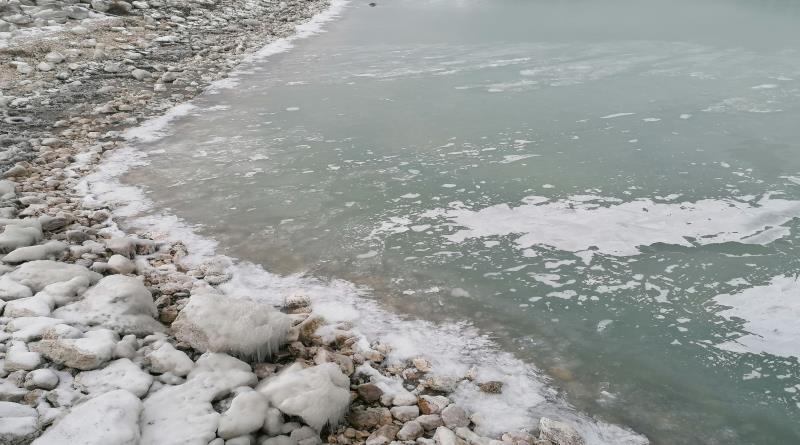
(615, 115)
(581, 223)
(770, 315)
(156, 128)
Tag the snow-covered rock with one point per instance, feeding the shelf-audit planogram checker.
(43, 378)
(18, 423)
(37, 306)
(183, 414)
(19, 358)
(117, 302)
(121, 265)
(205, 324)
(38, 274)
(65, 291)
(11, 290)
(444, 436)
(48, 250)
(89, 352)
(111, 418)
(168, 359)
(319, 395)
(246, 414)
(119, 374)
(30, 328)
(16, 236)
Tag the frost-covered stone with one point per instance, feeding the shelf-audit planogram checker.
(319, 395)
(122, 246)
(273, 422)
(558, 432)
(18, 423)
(383, 435)
(48, 250)
(117, 302)
(183, 414)
(10, 392)
(18, 358)
(245, 415)
(168, 359)
(111, 418)
(206, 324)
(121, 265)
(11, 290)
(38, 274)
(41, 378)
(36, 306)
(404, 398)
(430, 421)
(30, 328)
(119, 374)
(16, 236)
(89, 352)
(65, 292)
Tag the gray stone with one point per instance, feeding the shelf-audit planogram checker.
(559, 433)
(410, 431)
(454, 416)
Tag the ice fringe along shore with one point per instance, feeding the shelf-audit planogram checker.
(149, 338)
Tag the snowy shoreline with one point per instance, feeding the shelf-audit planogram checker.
(132, 331)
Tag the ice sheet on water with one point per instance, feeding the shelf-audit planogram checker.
(582, 223)
(770, 313)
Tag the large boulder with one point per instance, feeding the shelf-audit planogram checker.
(319, 395)
(244, 328)
(117, 302)
(112, 418)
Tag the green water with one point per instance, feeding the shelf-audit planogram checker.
(582, 180)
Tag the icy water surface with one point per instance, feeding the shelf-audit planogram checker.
(610, 189)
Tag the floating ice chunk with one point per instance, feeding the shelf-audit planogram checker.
(38, 274)
(183, 414)
(612, 116)
(119, 374)
(770, 313)
(117, 302)
(205, 324)
(575, 225)
(112, 418)
(319, 395)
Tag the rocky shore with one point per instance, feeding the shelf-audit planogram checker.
(112, 338)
